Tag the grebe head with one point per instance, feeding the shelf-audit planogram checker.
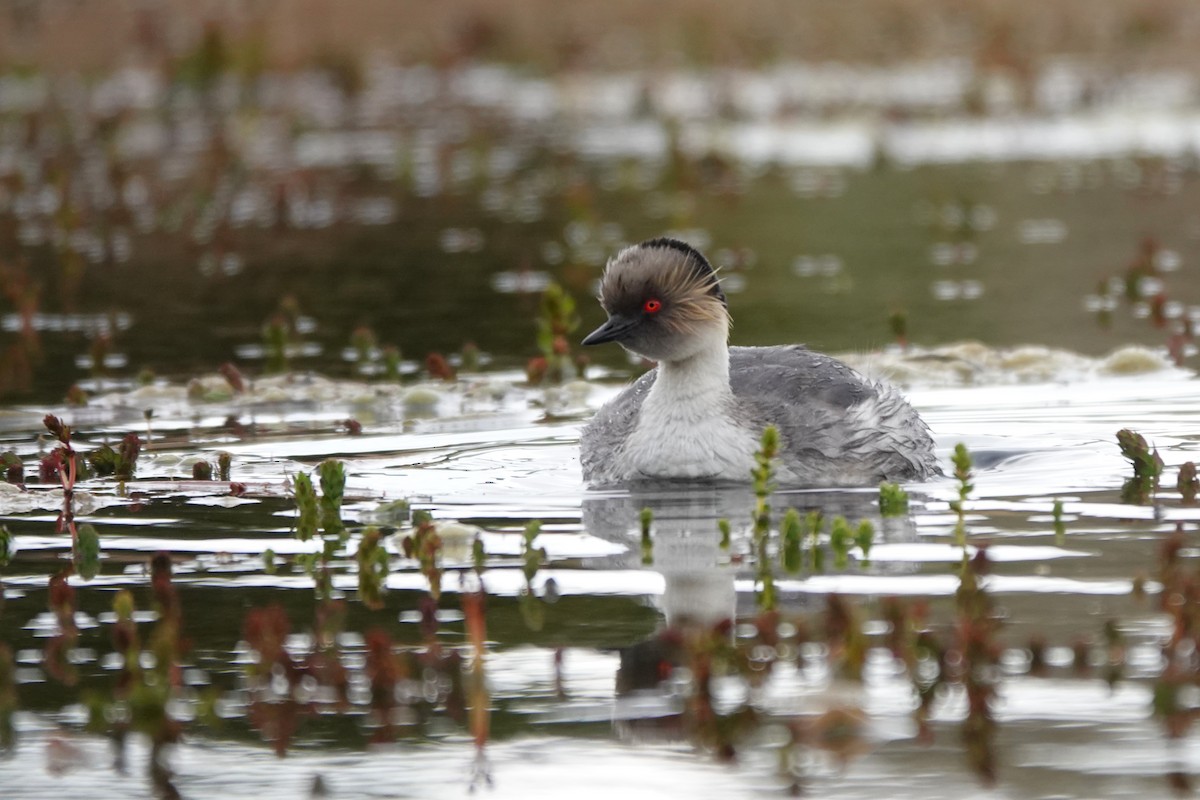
(663, 302)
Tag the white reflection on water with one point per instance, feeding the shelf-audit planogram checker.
(1123, 759)
(1033, 443)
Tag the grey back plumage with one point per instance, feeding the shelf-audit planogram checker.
(836, 427)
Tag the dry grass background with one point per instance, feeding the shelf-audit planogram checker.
(610, 34)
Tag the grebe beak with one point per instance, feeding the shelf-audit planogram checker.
(612, 330)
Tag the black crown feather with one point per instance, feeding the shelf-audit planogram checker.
(695, 259)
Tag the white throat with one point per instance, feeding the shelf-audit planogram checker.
(694, 384)
(687, 426)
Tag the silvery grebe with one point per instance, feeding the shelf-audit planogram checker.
(700, 413)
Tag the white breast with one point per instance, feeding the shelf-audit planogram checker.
(688, 439)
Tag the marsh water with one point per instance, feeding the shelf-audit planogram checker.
(1045, 293)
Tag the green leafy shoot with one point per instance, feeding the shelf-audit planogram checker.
(1147, 467)
(864, 537)
(372, 561)
(306, 507)
(840, 541)
(962, 471)
(762, 475)
(893, 500)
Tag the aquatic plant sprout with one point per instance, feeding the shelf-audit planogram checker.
(1147, 467)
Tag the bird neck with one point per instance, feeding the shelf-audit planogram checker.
(698, 379)
(688, 426)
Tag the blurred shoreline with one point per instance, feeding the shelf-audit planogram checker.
(996, 35)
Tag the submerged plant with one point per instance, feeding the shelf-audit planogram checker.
(791, 535)
(324, 662)
(8, 699)
(284, 688)
(56, 659)
(1187, 483)
(272, 677)
(814, 555)
(7, 548)
(646, 517)
(532, 560)
(978, 661)
(845, 638)
(1114, 647)
(385, 672)
(710, 654)
(142, 696)
(1147, 467)
(479, 698)
(922, 654)
(149, 691)
(86, 552)
(1180, 601)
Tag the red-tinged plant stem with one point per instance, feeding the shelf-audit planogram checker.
(979, 657)
(384, 671)
(68, 483)
(325, 662)
(57, 657)
(8, 699)
(67, 471)
(275, 714)
(474, 606)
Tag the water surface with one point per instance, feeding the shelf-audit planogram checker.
(1040, 259)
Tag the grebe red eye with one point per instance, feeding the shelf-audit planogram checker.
(652, 306)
